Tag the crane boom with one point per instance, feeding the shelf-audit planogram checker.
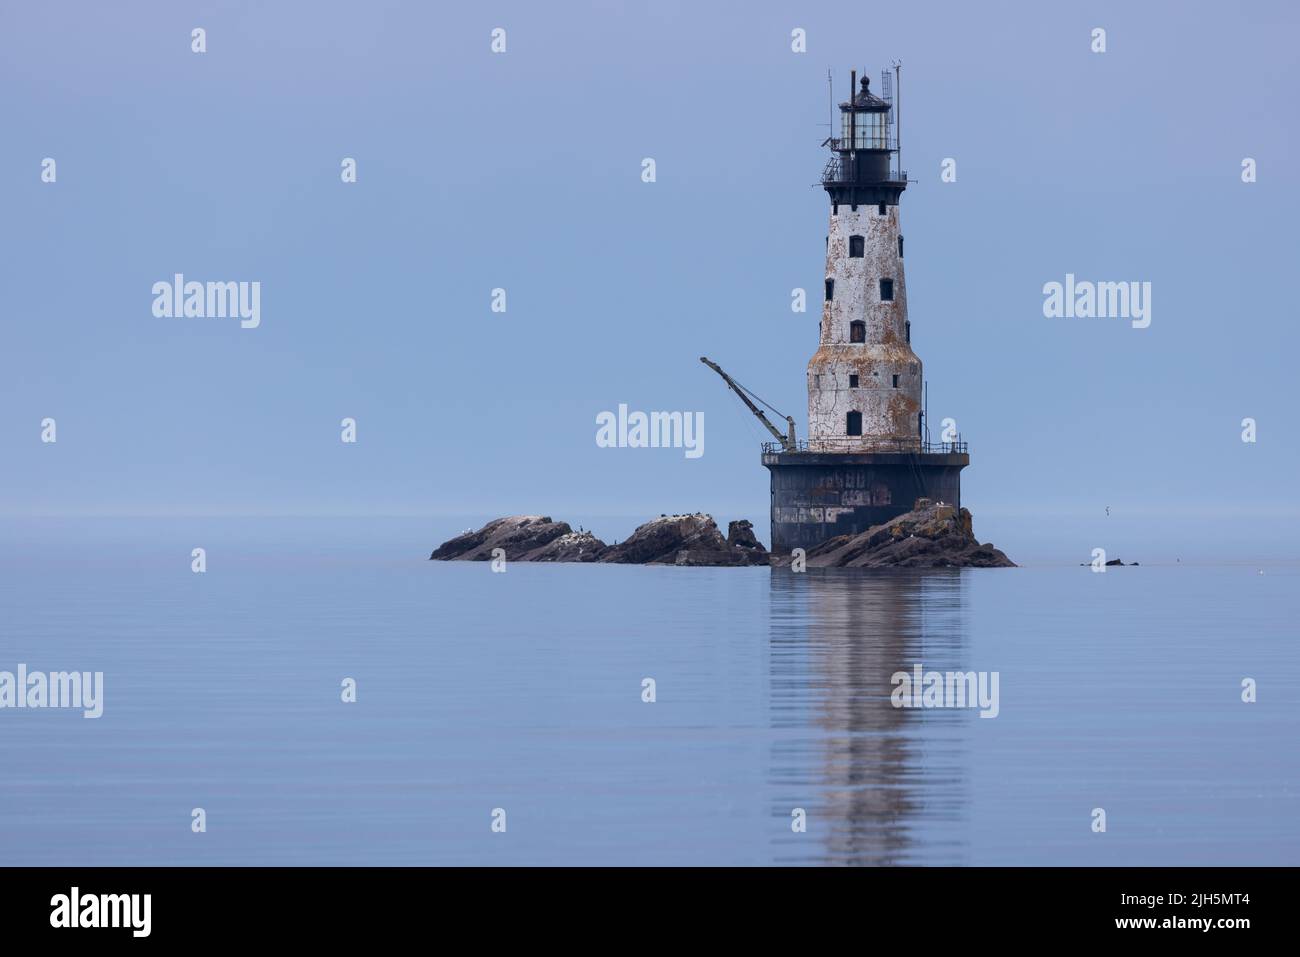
(787, 441)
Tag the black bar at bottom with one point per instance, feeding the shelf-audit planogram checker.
(333, 906)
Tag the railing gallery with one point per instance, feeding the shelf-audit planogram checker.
(833, 173)
(876, 445)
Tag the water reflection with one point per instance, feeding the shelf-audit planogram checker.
(881, 785)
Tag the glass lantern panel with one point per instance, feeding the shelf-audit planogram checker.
(864, 131)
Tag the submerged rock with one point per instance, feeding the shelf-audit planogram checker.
(524, 538)
(666, 540)
(932, 535)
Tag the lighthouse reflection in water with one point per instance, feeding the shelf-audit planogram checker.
(886, 785)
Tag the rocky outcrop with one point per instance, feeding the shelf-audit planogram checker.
(524, 538)
(932, 535)
(686, 540)
(570, 547)
(666, 540)
(740, 534)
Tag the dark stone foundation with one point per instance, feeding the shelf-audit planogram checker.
(819, 495)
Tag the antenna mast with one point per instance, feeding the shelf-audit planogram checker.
(898, 112)
(830, 93)
(853, 116)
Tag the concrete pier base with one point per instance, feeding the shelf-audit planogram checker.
(819, 495)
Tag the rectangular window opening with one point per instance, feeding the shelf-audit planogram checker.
(886, 290)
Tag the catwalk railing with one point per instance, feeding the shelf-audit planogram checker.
(851, 444)
(835, 173)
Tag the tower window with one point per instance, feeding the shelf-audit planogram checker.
(907, 330)
(853, 423)
(853, 382)
(895, 380)
(830, 289)
(881, 209)
(857, 331)
(900, 245)
(886, 290)
(855, 247)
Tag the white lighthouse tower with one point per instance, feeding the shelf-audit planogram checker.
(868, 457)
(864, 381)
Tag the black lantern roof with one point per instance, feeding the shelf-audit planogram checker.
(864, 101)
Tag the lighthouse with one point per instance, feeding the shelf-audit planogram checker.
(864, 381)
(867, 457)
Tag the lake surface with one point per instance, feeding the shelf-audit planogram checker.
(523, 691)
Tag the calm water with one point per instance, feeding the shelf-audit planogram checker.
(522, 691)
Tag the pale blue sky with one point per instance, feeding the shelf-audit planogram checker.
(523, 171)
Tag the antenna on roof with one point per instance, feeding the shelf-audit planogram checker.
(853, 113)
(830, 92)
(898, 115)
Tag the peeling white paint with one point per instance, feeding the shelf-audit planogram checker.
(890, 414)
